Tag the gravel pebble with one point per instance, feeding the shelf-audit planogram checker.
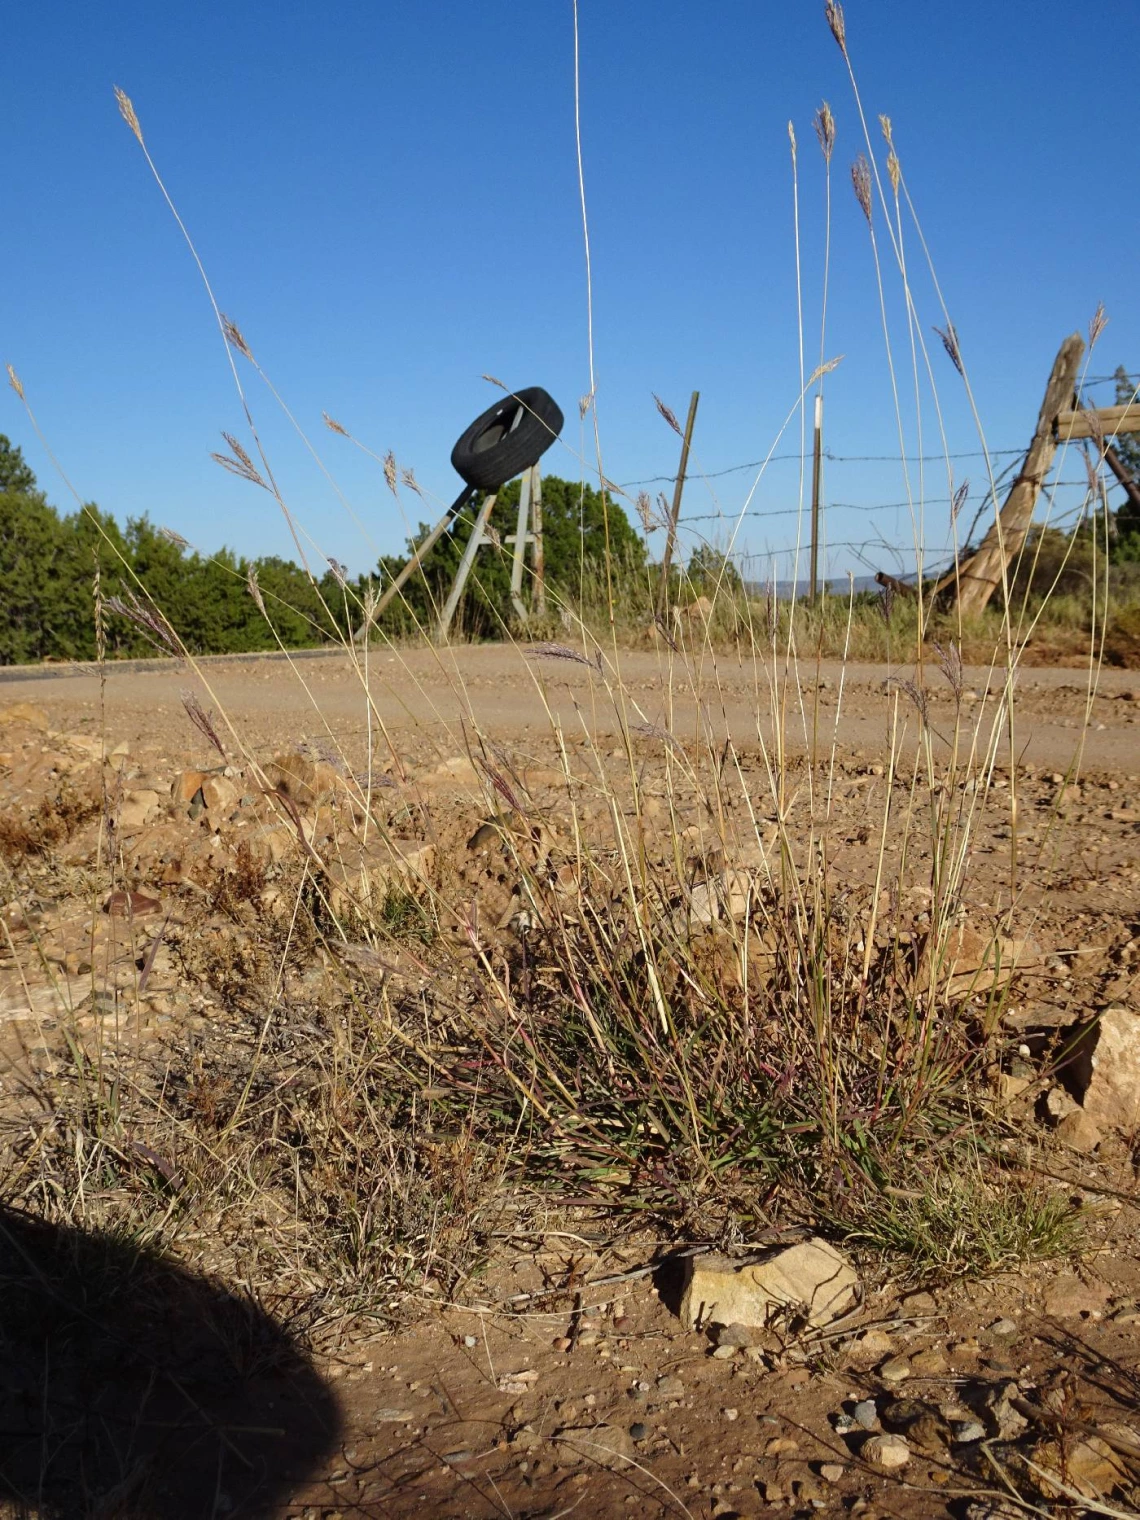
(895, 1370)
(972, 1430)
(865, 1414)
(888, 1453)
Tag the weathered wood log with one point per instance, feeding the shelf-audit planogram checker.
(1098, 422)
(979, 577)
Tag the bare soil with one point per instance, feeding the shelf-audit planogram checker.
(536, 1393)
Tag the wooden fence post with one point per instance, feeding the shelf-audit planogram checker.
(671, 534)
(981, 575)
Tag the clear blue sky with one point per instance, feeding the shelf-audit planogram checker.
(385, 196)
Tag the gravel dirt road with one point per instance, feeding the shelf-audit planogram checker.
(511, 694)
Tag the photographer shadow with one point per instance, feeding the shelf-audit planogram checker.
(134, 1389)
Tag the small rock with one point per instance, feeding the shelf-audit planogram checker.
(670, 1387)
(918, 1304)
(733, 1335)
(832, 1472)
(186, 786)
(638, 1431)
(607, 1445)
(888, 1453)
(1080, 1132)
(219, 796)
(968, 1431)
(871, 1347)
(813, 1278)
(1059, 1103)
(136, 810)
(730, 1414)
(1008, 1422)
(470, 1340)
(1071, 1298)
(1003, 1329)
(896, 1370)
(844, 1424)
(131, 905)
(781, 1446)
(724, 1353)
(729, 893)
(865, 1414)
(929, 1363)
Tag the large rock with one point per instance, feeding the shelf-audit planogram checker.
(1090, 1466)
(728, 894)
(24, 713)
(973, 960)
(1105, 1068)
(304, 780)
(813, 1278)
(360, 877)
(136, 811)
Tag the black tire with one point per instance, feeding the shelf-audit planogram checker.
(507, 439)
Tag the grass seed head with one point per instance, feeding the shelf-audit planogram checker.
(127, 112)
(255, 591)
(390, 471)
(235, 339)
(238, 463)
(147, 618)
(668, 413)
(950, 343)
(833, 11)
(1098, 324)
(861, 181)
(894, 171)
(203, 721)
(334, 426)
(959, 500)
(825, 130)
(15, 382)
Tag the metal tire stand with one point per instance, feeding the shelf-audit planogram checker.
(530, 505)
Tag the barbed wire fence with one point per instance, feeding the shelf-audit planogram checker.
(880, 549)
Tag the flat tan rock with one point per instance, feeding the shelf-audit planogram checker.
(973, 960)
(1106, 1068)
(361, 877)
(812, 1278)
(24, 713)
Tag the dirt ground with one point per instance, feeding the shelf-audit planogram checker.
(513, 695)
(564, 1382)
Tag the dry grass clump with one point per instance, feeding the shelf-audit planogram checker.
(281, 1139)
(50, 823)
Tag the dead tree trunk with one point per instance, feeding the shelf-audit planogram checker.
(980, 576)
